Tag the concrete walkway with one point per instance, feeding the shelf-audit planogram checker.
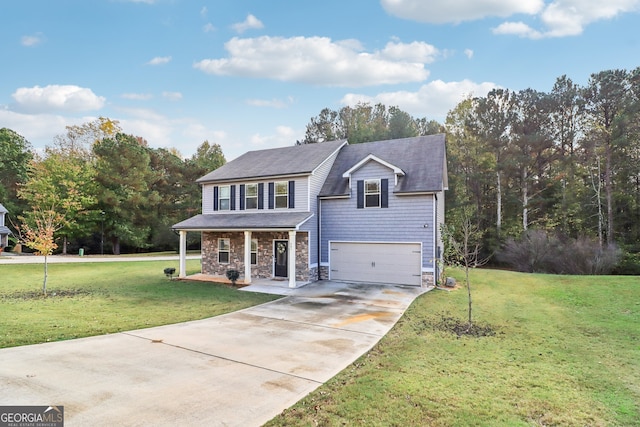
(238, 369)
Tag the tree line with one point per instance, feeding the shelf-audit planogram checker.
(100, 189)
(565, 163)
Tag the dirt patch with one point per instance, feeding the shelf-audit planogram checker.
(463, 328)
(58, 293)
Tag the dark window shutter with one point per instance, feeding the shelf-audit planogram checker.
(292, 194)
(384, 193)
(360, 195)
(241, 197)
(215, 198)
(232, 196)
(261, 195)
(271, 195)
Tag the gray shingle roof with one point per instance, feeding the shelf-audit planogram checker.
(244, 221)
(3, 209)
(421, 158)
(293, 160)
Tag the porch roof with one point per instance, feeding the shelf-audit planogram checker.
(244, 221)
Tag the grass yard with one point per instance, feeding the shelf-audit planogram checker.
(566, 353)
(88, 299)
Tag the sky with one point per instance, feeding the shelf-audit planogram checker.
(250, 74)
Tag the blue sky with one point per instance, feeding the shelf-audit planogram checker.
(249, 74)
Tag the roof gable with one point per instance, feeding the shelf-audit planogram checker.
(396, 170)
(422, 160)
(285, 161)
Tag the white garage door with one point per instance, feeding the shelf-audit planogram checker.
(392, 263)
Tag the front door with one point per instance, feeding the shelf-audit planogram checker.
(281, 249)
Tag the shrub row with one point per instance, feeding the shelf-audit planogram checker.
(540, 252)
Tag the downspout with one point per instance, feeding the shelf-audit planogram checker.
(319, 237)
(436, 257)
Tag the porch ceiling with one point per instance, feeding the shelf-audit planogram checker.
(244, 221)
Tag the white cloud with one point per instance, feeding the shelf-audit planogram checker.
(519, 29)
(320, 61)
(433, 100)
(557, 18)
(39, 129)
(31, 41)
(569, 17)
(204, 11)
(159, 60)
(468, 53)
(57, 98)
(208, 28)
(414, 52)
(438, 12)
(251, 23)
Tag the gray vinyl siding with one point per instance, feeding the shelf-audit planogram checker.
(207, 198)
(315, 183)
(301, 196)
(403, 221)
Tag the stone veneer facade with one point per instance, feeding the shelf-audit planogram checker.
(264, 266)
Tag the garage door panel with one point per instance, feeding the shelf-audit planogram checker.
(392, 263)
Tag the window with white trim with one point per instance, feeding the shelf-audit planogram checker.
(282, 194)
(251, 196)
(223, 251)
(224, 198)
(254, 251)
(372, 193)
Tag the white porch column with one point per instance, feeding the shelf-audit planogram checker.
(292, 259)
(183, 254)
(247, 257)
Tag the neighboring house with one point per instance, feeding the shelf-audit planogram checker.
(366, 212)
(4, 230)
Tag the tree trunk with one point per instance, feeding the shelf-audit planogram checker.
(115, 242)
(44, 283)
(608, 188)
(525, 202)
(597, 189)
(498, 203)
(466, 270)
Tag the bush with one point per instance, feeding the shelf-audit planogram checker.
(629, 265)
(539, 252)
(233, 275)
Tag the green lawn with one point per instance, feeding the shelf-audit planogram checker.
(566, 353)
(99, 298)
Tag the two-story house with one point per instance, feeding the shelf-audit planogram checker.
(363, 212)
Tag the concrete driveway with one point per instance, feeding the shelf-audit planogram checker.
(238, 369)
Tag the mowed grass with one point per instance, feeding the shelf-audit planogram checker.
(88, 299)
(566, 353)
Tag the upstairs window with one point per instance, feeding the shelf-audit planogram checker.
(224, 198)
(251, 196)
(372, 193)
(223, 251)
(282, 194)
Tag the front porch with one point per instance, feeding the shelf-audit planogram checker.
(261, 285)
